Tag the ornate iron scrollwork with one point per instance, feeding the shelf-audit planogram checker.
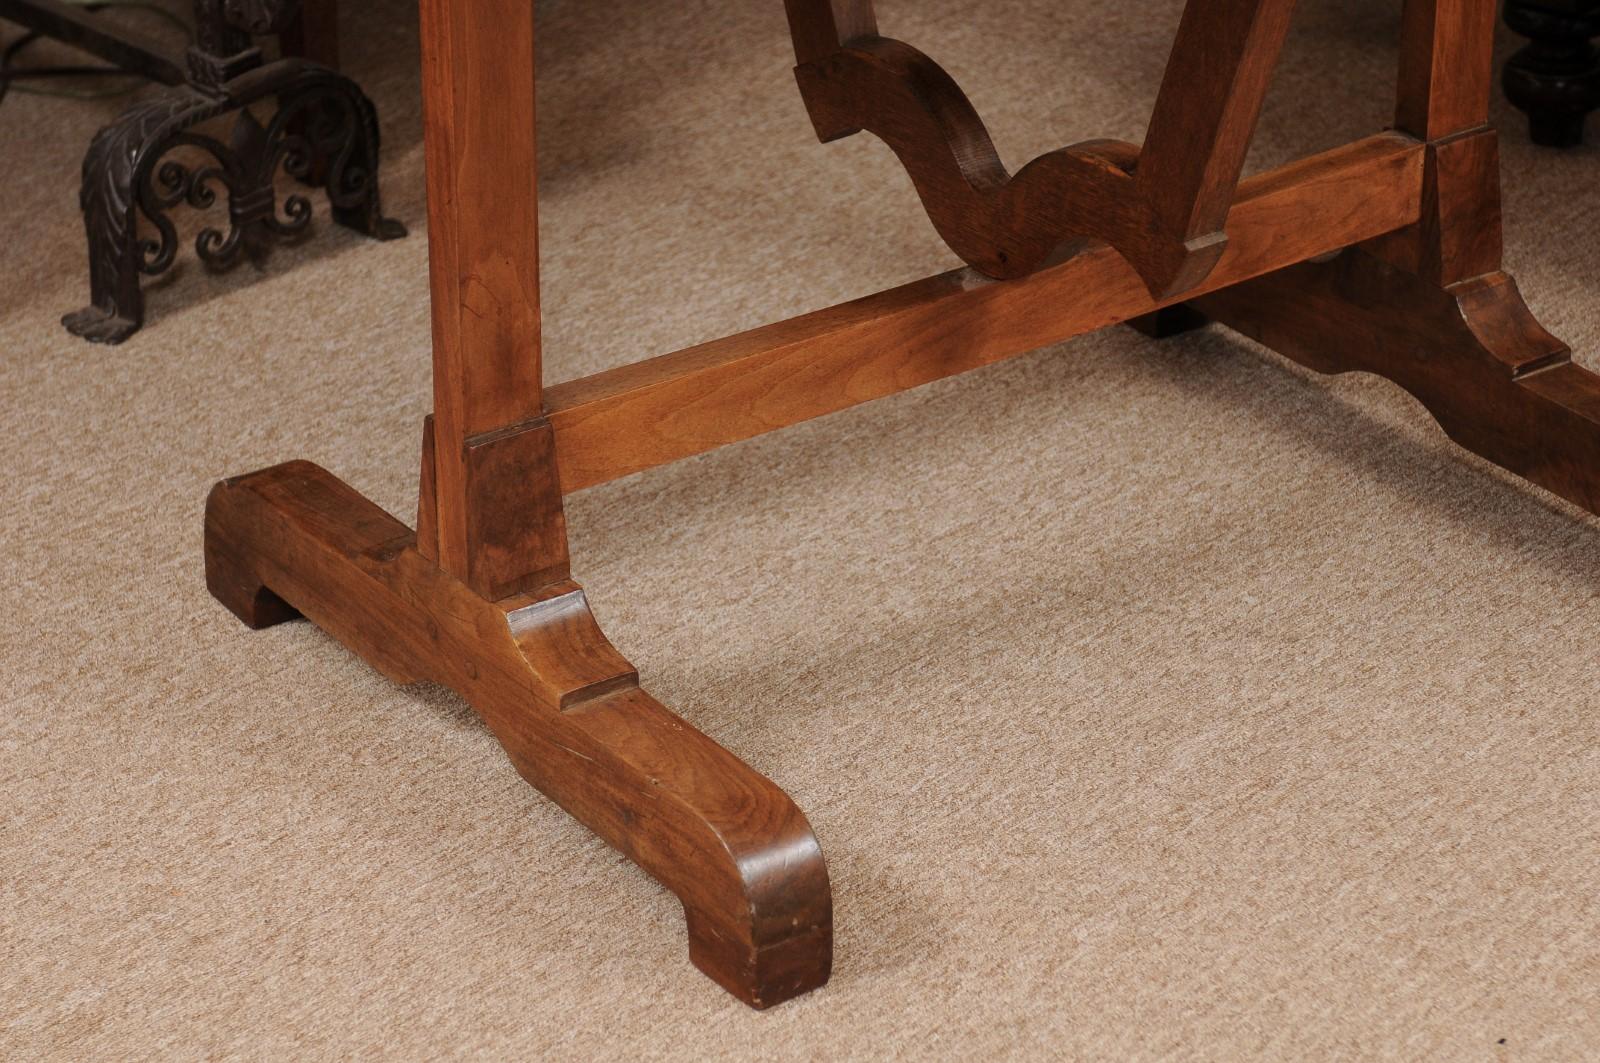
(324, 131)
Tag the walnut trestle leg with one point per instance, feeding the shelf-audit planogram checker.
(479, 596)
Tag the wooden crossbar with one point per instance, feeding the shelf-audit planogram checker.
(657, 411)
(480, 598)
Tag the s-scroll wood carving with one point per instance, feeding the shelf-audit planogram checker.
(1162, 206)
(260, 17)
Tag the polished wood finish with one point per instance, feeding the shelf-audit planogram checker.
(1446, 66)
(478, 114)
(1472, 354)
(1162, 207)
(479, 597)
(1458, 234)
(641, 415)
(563, 702)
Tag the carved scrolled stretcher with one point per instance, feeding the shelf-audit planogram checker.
(479, 596)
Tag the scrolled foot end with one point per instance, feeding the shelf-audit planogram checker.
(231, 579)
(762, 975)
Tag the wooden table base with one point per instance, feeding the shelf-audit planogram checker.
(565, 705)
(1381, 256)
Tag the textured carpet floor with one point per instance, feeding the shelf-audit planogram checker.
(1149, 700)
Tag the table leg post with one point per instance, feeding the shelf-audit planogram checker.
(479, 597)
(1446, 77)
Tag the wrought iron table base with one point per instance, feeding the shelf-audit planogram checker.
(324, 132)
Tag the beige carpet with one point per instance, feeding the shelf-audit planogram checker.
(1149, 700)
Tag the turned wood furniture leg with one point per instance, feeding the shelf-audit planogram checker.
(481, 600)
(1555, 78)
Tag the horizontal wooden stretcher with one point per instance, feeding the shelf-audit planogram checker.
(1382, 255)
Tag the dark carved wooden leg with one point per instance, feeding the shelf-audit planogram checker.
(118, 172)
(1555, 79)
(323, 123)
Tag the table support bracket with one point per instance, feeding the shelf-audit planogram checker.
(294, 540)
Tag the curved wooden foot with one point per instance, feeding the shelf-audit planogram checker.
(234, 583)
(1471, 352)
(562, 701)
